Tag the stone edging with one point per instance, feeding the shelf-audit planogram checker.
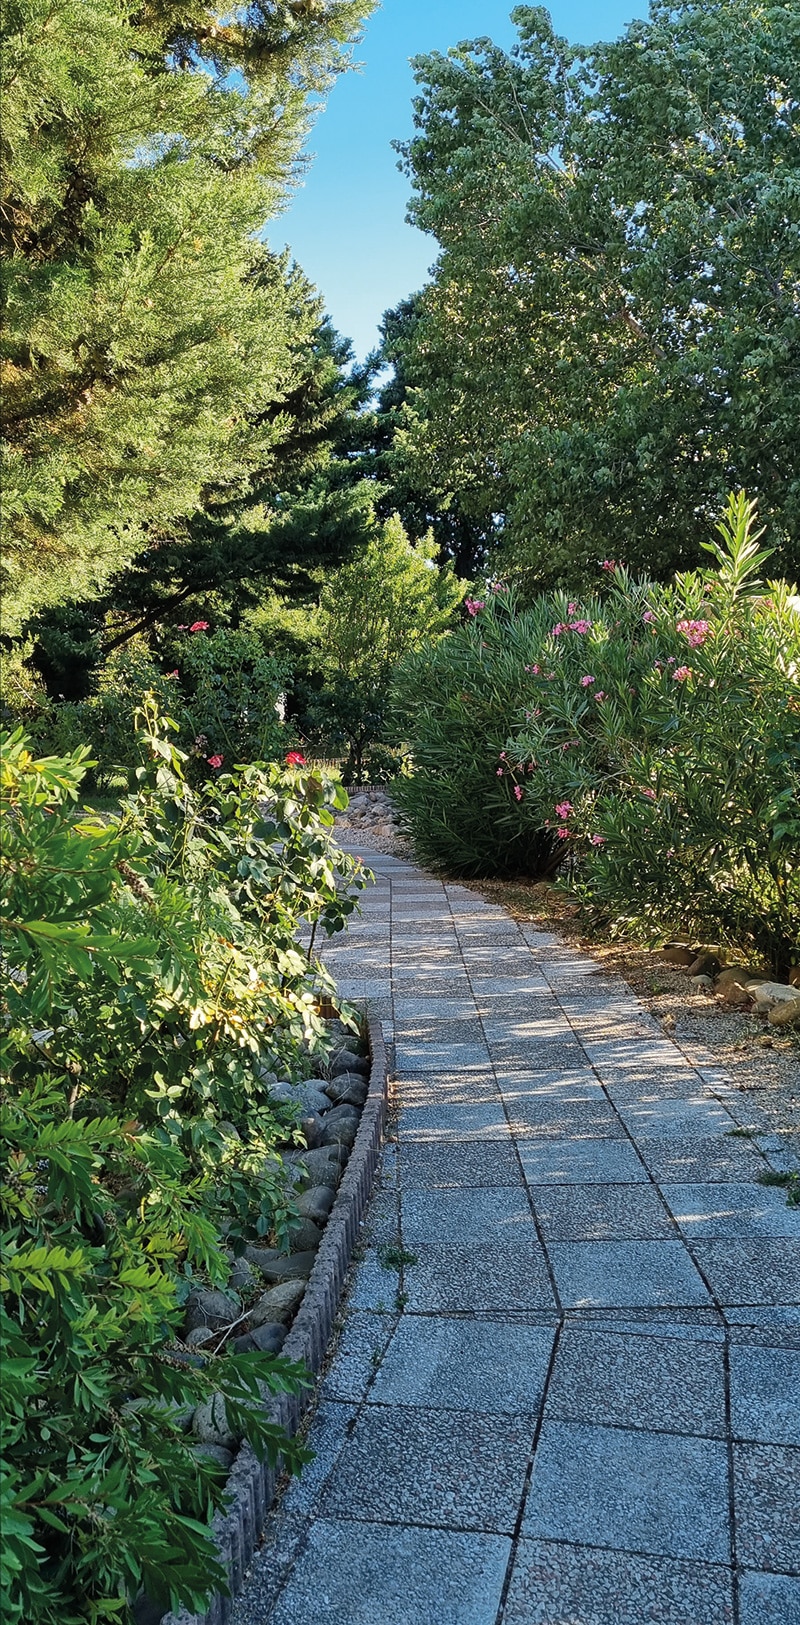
(251, 1483)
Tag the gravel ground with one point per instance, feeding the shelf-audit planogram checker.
(762, 1063)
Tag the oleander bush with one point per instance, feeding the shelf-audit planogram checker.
(651, 734)
(152, 975)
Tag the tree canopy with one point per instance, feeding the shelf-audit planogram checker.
(150, 338)
(611, 337)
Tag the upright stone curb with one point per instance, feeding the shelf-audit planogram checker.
(251, 1483)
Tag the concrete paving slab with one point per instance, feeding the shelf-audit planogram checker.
(659, 1382)
(359, 1352)
(450, 1124)
(648, 1492)
(768, 1599)
(539, 1117)
(441, 1468)
(706, 1159)
(493, 1278)
(766, 1479)
(584, 1161)
(431, 1166)
(602, 1213)
(622, 1273)
(743, 1210)
(364, 1572)
(765, 1395)
(751, 1272)
(456, 1217)
(555, 1584)
(465, 1365)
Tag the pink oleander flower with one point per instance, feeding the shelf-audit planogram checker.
(562, 832)
(199, 626)
(580, 626)
(215, 761)
(556, 631)
(608, 564)
(563, 808)
(295, 758)
(681, 673)
(499, 773)
(518, 792)
(600, 696)
(571, 608)
(549, 676)
(171, 675)
(651, 795)
(534, 669)
(498, 586)
(182, 627)
(648, 617)
(474, 605)
(587, 681)
(695, 632)
(598, 840)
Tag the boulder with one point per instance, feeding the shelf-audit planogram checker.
(278, 1304)
(346, 1061)
(767, 994)
(276, 1266)
(312, 1126)
(304, 1234)
(243, 1277)
(741, 975)
(268, 1339)
(211, 1426)
(313, 1099)
(207, 1306)
(316, 1203)
(785, 1014)
(707, 963)
(322, 1166)
(679, 953)
(341, 1125)
(198, 1335)
(348, 1089)
(703, 984)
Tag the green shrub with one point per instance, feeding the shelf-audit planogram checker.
(653, 734)
(152, 975)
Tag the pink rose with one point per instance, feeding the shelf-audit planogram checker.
(215, 761)
(199, 626)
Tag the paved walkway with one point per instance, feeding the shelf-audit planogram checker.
(568, 1387)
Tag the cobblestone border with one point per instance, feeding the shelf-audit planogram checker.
(251, 1483)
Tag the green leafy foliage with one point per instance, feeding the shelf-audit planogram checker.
(653, 733)
(608, 341)
(152, 975)
(390, 599)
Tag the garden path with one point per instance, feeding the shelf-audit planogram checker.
(567, 1390)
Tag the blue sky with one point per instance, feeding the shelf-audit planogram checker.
(346, 225)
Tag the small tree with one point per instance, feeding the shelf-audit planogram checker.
(390, 600)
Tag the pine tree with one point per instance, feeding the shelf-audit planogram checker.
(146, 327)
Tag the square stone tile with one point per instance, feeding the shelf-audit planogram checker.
(492, 1278)
(359, 1351)
(553, 1584)
(429, 1007)
(457, 1469)
(440, 1029)
(658, 1493)
(745, 1210)
(671, 1118)
(597, 1273)
(751, 1272)
(420, 1055)
(453, 1167)
(465, 1365)
(766, 1480)
(541, 1053)
(765, 1394)
(514, 986)
(271, 1563)
(541, 1117)
(449, 1123)
(768, 1599)
(561, 1085)
(327, 1436)
(584, 1161)
(545, 1025)
(353, 1572)
(662, 1383)
(371, 1286)
(602, 1213)
(453, 1217)
(714, 1159)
